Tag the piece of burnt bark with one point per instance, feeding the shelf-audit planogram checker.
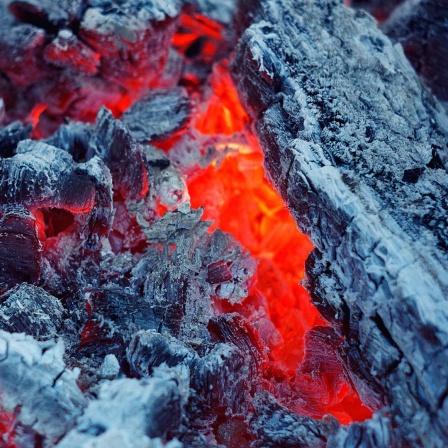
(344, 121)
(159, 114)
(20, 248)
(130, 412)
(30, 310)
(421, 26)
(35, 383)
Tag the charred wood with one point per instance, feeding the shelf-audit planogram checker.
(358, 151)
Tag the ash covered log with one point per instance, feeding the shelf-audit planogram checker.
(357, 148)
(421, 26)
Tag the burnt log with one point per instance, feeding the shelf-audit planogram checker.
(357, 149)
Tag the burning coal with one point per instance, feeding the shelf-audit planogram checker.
(151, 276)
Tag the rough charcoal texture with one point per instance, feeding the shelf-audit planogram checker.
(31, 310)
(357, 149)
(94, 52)
(421, 26)
(158, 114)
(43, 176)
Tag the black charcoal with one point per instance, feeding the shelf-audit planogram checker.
(158, 114)
(342, 117)
(31, 310)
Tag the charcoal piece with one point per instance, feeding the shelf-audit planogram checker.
(149, 349)
(67, 51)
(35, 383)
(221, 378)
(113, 143)
(234, 329)
(48, 14)
(159, 114)
(132, 37)
(21, 48)
(30, 310)
(11, 135)
(380, 9)
(341, 116)
(20, 249)
(43, 176)
(276, 426)
(73, 138)
(422, 28)
(129, 413)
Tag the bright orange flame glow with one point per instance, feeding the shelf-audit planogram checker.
(237, 197)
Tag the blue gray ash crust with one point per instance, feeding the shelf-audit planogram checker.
(357, 148)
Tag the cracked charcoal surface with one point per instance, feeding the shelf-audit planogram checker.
(358, 151)
(422, 28)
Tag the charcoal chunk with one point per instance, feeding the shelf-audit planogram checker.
(130, 412)
(158, 114)
(376, 217)
(21, 49)
(31, 310)
(20, 249)
(422, 28)
(43, 176)
(235, 329)
(277, 427)
(67, 51)
(48, 14)
(132, 37)
(149, 349)
(114, 144)
(11, 135)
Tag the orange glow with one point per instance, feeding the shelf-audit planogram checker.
(223, 113)
(238, 199)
